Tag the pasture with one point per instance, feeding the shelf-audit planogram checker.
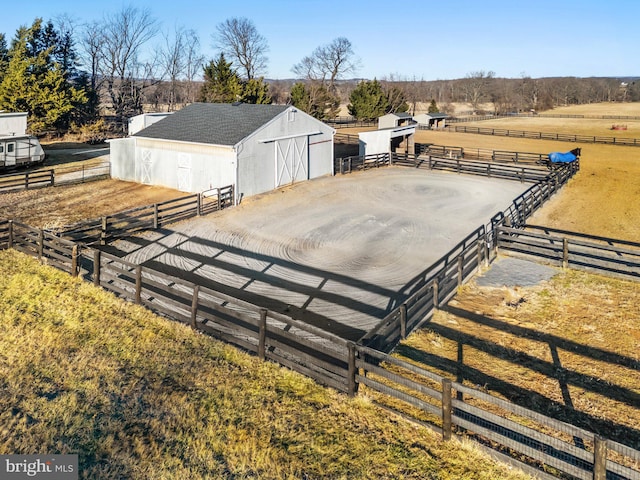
(140, 397)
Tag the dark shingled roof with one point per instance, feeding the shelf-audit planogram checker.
(214, 123)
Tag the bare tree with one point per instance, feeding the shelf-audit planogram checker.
(476, 87)
(119, 60)
(194, 60)
(328, 63)
(240, 41)
(180, 61)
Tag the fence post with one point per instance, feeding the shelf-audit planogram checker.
(138, 298)
(262, 334)
(103, 231)
(155, 216)
(53, 178)
(430, 166)
(403, 321)
(10, 240)
(436, 287)
(600, 458)
(194, 306)
(219, 200)
(565, 252)
(447, 424)
(96, 267)
(460, 268)
(74, 261)
(352, 386)
(26, 181)
(40, 243)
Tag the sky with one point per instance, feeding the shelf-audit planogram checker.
(423, 39)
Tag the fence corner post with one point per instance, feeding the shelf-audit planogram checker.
(403, 321)
(74, 261)
(352, 385)
(138, 285)
(194, 306)
(600, 458)
(96, 267)
(447, 424)
(262, 334)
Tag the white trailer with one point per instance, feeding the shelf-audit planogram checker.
(20, 151)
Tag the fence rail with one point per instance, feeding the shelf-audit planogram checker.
(157, 215)
(562, 137)
(407, 388)
(25, 181)
(568, 249)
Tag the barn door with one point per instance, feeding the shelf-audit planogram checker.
(145, 172)
(292, 160)
(184, 172)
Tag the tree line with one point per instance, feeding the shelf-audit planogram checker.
(69, 77)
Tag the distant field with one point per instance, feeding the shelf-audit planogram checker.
(602, 199)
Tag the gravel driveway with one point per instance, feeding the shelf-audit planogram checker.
(338, 252)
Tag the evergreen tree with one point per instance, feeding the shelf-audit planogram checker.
(34, 83)
(4, 55)
(315, 99)
(256, 91)
(433, 108)
(368, 101)
(221, 83)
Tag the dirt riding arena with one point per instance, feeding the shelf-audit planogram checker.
(338, 252)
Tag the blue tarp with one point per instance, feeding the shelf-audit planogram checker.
(557, 157)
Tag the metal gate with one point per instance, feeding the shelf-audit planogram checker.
(292, 160)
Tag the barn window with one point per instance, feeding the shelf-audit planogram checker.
(292, 115)
(10, 148)
(1, 148)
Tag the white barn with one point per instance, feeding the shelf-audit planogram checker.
(144, 120)
(257, 148)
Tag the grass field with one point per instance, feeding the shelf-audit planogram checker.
(140, 397)
(569, 347)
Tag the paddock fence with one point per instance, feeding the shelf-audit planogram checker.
(541, 445)
(573, 250)
(500, 156)
(15, 182)
(562, 137)
(157, 215)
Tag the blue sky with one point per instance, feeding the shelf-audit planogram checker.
(423, 39)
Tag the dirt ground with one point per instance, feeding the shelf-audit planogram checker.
(339, 252)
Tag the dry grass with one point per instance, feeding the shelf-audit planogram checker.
(58, 206)
(567, 348)
(140, 397)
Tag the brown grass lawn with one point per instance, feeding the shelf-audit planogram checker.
(568, 348)
(58, 206)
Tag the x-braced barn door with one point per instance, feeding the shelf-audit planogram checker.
(145, 172)
(292, 160)
(184, 172)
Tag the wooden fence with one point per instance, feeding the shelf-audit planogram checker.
(111, 227)
(569, 249)
(542, 443)
(562, 137)
(485, 154)
(15, 182)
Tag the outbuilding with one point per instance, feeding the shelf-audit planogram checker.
(388, 140)
(393, 120)
(257, 148)
(431, 120)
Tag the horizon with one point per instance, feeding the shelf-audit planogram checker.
(543, 39)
